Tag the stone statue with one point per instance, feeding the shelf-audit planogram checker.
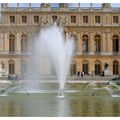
(45, 5)
(106, 5)
(63, 5)
(45, 20)
(62, 20)
(106, 65)
(4, 5)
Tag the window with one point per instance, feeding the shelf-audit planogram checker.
(11, 67)
(23, 67)
(24, 19)
(23, 43)
(73, 69)
(115, 19)
(115, 42)
(85, 19)
(36, 19)
(74, 38)
(73, 19)
(115, 67)
(54, 18)
(11, 43)
(98, 68)
(85, 67)
(12, 19)
(85, 43)
(97, 44)
(97, 19)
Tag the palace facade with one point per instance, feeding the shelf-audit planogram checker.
(96, 33)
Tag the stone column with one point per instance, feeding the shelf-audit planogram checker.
(18, 41)
(1, 42)
(91, 65)
(18, 66)
(111, 66)
(109, 43)
(29, 41)
(79, 43)
(6, 41)
(6, 66)
(91, 48)
(79, 65)
(104, 43)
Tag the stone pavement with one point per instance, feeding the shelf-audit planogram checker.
(73, 79)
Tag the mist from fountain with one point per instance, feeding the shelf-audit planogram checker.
(52, 46)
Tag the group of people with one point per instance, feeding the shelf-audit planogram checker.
(81, 74)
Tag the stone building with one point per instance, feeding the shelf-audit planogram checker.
(96, 32)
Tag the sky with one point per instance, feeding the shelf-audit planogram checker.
(56, 4)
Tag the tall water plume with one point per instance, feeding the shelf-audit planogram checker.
(52, 46)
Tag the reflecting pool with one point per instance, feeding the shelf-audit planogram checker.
(83, 102)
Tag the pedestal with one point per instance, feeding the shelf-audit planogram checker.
(107, 72)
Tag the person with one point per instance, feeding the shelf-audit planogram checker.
(81, 74)
(78, 73)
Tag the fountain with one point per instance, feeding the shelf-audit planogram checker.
(51, 45)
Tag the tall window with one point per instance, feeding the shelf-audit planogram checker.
(85, 43)
(11, 43)
(24, 19)
(85, 19)
(73, 19)
(24, 43)
(73, 69)
(74, 38)
(97, 44)
(85, 67)
(98, 68)
(12, 19)
(11, 67)
(115, 19)
(97, 19)
(54, 18)
(23, 67)
(115, 67)
(36, 19)
(115, 40)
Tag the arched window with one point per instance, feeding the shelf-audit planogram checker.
(85, 43)
(115, 40)
(115, 67)
(85, 67)
(74, 38)
(73, 69)
(23, 43)
(97, 43)
(11, 43)
(11, 66)
(98, 67)
(23, 67)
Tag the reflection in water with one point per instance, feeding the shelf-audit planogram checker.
(63, 109)
(99, 106)
(85, 107)
(49, 105)
(115, 109)
(9, 107)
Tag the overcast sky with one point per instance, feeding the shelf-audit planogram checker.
(56, 4)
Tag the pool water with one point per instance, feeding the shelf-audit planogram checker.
(77, 101)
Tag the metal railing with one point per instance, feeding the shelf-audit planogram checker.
(6, 52)
(97, 53)
(58, 8)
